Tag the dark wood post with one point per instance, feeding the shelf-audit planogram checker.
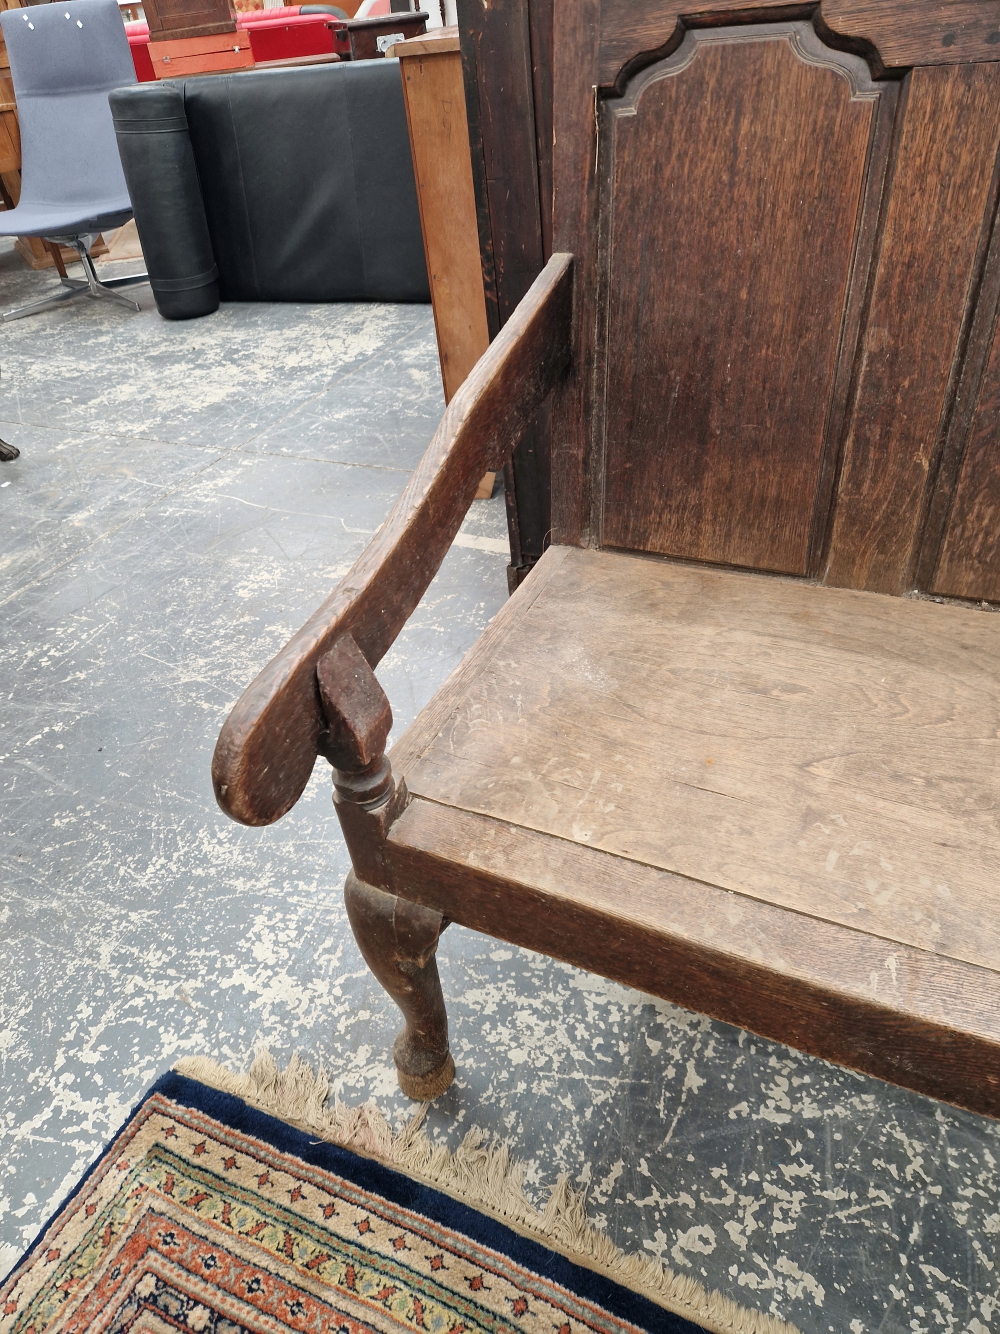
(507, 65)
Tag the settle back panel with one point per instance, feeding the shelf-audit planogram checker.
(787, 288)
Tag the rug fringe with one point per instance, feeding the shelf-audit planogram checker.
(479, 1174)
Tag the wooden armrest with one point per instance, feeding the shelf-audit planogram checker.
(268, 745)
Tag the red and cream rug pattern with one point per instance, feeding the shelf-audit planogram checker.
(208, 1215)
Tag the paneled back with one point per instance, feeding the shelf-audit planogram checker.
(787, 288)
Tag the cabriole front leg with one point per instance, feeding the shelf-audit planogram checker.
(399, 940)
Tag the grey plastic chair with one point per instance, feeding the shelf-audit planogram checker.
(64, 60)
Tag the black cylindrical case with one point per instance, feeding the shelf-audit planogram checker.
(163, 186)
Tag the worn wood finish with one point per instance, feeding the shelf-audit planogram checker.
(969, 565)
(542, 54)
(935, 32)
(845, 487)
(836, 753)
(398, 940)
(6, 83)
(574, 229)
(10, 141)
(931, 252)
(431, 69)
(636, 32)
(506, 55)
(10, 134)
(505, 130)
(434, 95)
(767, 798)
(962, 550)
(177, 20)
(716, 418)
(38, 254)
(901, 1014)
(267, 748)
(213, 54)
(357, 712)
(951, 549)
(359, 39)
(895, 33)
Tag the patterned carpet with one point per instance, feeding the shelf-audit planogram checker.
(207, 1215)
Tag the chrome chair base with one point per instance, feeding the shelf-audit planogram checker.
(90, 285)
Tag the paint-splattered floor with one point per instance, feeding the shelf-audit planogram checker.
(186, 494)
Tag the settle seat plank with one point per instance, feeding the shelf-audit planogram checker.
(828, 751)
(922, 1021)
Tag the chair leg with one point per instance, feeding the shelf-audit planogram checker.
(70, 291)
(89, 285)
(105, 289)
(398, 940)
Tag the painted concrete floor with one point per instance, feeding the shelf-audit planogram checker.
(186, 494)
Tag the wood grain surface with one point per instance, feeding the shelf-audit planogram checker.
(437, 42)
(897, 33)
(969, 566)
(731, 250)
(507, 84)
(920, 32)
(213, 54)
(925, 1022)
(770, 800)
(574, 230)
(780, 464)
(176, 20)
(10, 134)
(10, 142)
(931, 252)
(832, 752)
(431, 70)
(268, 745)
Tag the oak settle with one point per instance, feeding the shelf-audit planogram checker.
(736, 740)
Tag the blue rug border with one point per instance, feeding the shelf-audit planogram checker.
(399, 1188)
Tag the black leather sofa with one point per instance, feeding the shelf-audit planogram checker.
(291, 184)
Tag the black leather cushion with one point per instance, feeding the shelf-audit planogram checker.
(308, 183)
(160, 172)
(296, 183)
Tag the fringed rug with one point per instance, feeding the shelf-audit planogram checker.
(231, 1204)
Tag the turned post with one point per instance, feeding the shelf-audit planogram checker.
(398, 939)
